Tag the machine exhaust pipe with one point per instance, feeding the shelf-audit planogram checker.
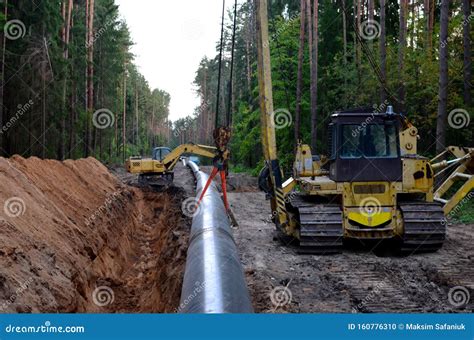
(214, 280)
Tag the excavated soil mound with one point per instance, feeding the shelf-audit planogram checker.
(73, 238)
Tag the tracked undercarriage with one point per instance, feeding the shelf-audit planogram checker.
(424, 227)
(321, 227)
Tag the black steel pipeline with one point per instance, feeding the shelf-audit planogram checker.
(214, 281)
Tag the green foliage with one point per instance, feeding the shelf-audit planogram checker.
(36, 69)
(464, 213)
(341, 84)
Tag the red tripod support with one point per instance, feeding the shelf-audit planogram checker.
(221, 138)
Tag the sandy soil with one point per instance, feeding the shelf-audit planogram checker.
(73, 238)
(76, 237)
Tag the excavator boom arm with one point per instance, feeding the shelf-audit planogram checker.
(173, 157)
(152, 166)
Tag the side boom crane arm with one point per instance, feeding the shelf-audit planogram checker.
(267, 113)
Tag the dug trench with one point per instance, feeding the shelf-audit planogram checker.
(74, 238)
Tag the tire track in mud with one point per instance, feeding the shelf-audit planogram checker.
(354, 281)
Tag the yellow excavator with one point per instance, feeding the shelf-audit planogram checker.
(161, 165)
(372, 186)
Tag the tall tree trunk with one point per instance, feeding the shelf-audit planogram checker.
(43, 115)
(401, 52)
(117, 105)
(354, 22)
(443, 78)
(370, 9)
(72, 97)
(299, 83)
(370, 17)
(467, 52)
(43, 82)
(67, 12)
(413, 23)
(359, 43)
(383, 53)
(344, 34)
(431, 24)
(426, 17)
(136, 116)
(86, 97)
(309, 21)
(2, 75)
(248, 39)
(124, 116)
(314, 80)
(89, 73)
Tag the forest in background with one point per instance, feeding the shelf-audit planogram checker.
(70, 88)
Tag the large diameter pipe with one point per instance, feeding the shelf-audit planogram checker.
(214, 280)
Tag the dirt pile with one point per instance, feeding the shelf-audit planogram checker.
(73, 238)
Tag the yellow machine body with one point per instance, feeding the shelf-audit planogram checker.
(156, 167)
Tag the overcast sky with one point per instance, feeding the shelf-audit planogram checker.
(170, 39)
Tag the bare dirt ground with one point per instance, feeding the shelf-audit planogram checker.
(358, 280)
(355, 281)
(74, 238)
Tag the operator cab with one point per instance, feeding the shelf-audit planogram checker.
(364, 146)
(160, 153)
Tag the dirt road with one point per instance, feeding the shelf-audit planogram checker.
(358, 280)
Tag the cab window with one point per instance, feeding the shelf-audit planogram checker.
(371, 140)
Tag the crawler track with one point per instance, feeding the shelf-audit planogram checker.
(320, 226)
(357, 280)
(425, 230)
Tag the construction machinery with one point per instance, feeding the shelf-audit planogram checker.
(372, 186)
(152, 170)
